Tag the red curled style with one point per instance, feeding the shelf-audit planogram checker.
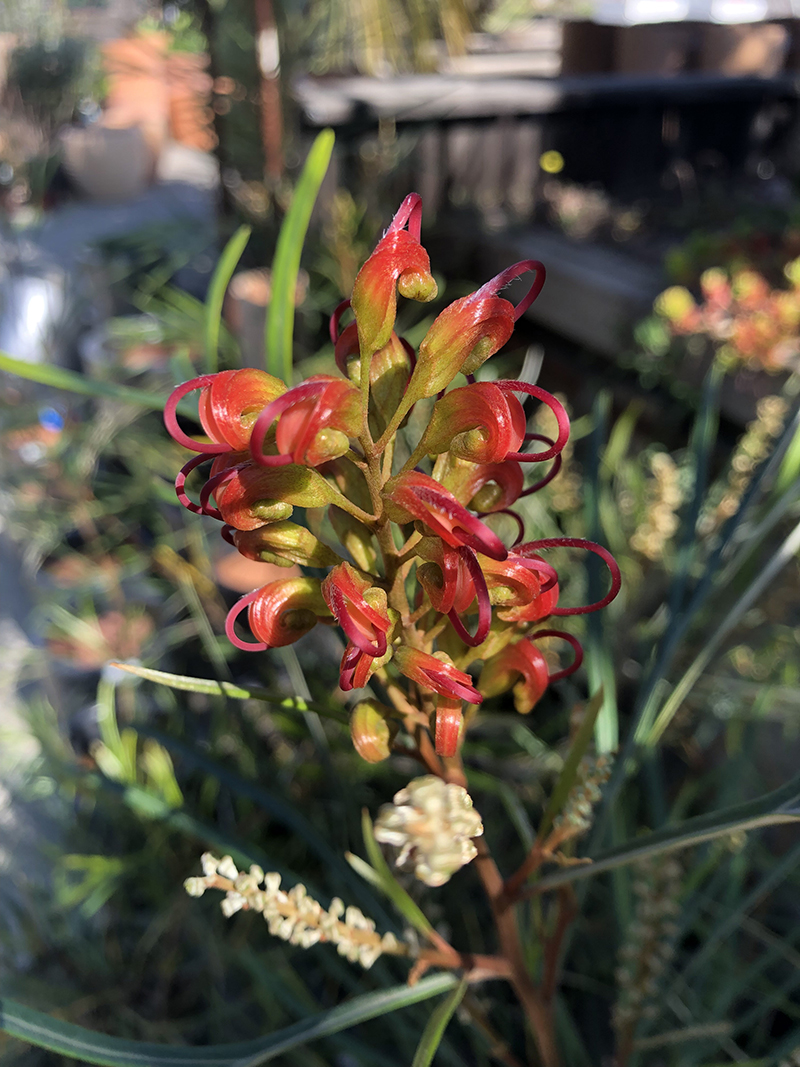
(180, 485)
(418, 496)
(441, 676)
(551, 474)
(576, 647)
(228, 406)
(530, 548)
(481, 595)
(171, 417)
(314, 423)
(365, 624)
(558, 410)
(505, 277)
(279, 613)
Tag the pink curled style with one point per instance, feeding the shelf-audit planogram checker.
(590, 546)
(482, 596)
(233, 614)
(576, 647)
(227, 534)
(558, 410)
(171, 417)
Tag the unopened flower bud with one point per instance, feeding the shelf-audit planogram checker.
(284, 543)
(371, 731)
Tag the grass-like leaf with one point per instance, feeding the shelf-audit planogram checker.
(437, 1024)
(780, 806)
(87, 1046)
(211, 687)
(220, 279)
(72, 382)
(387, 882)
(286, 264)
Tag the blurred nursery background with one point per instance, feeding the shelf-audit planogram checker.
(648, 152)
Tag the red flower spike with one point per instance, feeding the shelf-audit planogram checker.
(520, 667)
(359, 607)
(436, 674)
(398, 264)
(470, 330)
(449, 720)
(279, 613)
(479, 422)
(315, 423)
(483, 487)
(418, 496)
(229, 405)
(558, 410)
(531, 549)
(252, 497)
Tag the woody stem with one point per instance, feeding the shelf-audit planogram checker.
(537, 1009)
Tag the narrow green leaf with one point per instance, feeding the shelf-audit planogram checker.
(437, 1024)
(88, 1046)
(363, 870)
(237, 692)
(286, 264)
(779, 560)
(220, 279)
(72, 382)
(780, 806)
(569, 771)
(387, 881)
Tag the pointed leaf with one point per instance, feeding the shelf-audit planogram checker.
(286, 264)
(387, 881)
(437, 1024)
(220, 279)
(88, 1046)
(213, 688)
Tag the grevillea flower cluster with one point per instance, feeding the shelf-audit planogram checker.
(434, 607)
(748, 321)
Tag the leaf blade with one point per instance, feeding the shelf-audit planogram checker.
(437, 1024)
(210, 687)
(89, 1046)
(220, 280)
(286, 264)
